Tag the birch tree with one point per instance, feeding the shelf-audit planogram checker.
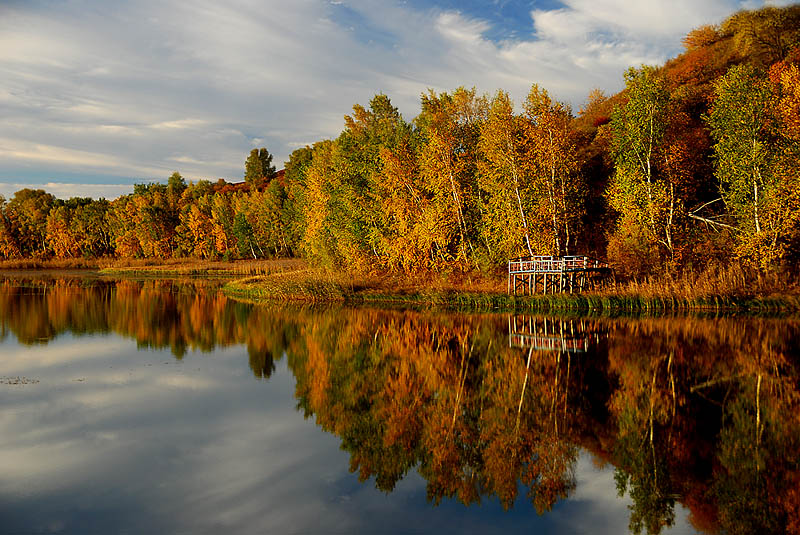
(554, 166)
(642, 196)
(745, 154)
(503, 179)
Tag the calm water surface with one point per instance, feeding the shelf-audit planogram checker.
(163, 407)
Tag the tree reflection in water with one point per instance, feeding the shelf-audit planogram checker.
(705, 412)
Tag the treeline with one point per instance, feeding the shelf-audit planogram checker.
(693, 164)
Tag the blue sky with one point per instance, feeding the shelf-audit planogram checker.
(97, 95)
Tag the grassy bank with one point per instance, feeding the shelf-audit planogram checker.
(731, 289)
(157, 267)
(30, 264)
(728, 290)
(198, 268)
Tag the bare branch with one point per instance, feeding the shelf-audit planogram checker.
(711, 222)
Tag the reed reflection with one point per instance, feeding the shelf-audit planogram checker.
(703, 412)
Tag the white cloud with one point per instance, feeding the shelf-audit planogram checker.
(136, 89)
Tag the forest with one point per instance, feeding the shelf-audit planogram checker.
(693, 165)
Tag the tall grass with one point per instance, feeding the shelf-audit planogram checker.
(60, 263)
(731, 288)
(198, 267)
(730, 283)
(295, 285)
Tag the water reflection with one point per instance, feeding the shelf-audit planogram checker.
(566, 335)
(692, 411)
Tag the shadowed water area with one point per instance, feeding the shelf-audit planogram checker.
(164, 407)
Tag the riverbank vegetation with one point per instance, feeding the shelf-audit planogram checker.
(687, 175)
(732, 289)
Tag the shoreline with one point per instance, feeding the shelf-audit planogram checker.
(319, 291)
(293, 281)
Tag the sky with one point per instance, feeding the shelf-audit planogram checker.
(98, 95)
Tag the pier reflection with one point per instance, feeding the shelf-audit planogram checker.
(543, 333)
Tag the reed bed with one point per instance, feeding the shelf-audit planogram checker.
(733, 288)
(197, 267)
(38, 264)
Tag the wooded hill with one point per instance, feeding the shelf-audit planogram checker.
(693, 164)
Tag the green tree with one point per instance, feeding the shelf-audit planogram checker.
(643, 196)
(745, 152)
(176, 182)
(293, 208)
(243, 231)
(258, 167)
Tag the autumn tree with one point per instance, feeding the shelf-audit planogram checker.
(144, 223)
(765, 35)
(195, 231)
(504, 179)
(642, 191)
(344, 222)
(746, 152)
(450, 126)
(554, 168)
(785, 77)
(317, 243)
(26, 214)
(9, 247)
(407, 209)
(60, 238)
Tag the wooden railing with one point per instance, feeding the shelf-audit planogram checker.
(554, 264)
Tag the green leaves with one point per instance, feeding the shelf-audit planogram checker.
(258, 167)
(747, 159)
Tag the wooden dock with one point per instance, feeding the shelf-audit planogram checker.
(555, 274)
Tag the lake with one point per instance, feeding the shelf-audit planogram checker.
(130, 406)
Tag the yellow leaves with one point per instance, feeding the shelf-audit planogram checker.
(788, 76)
(199, 228)
(700, 37)
(317, 196)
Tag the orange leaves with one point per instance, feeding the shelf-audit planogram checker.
(701, 37)
(787, 78)
(60, 237)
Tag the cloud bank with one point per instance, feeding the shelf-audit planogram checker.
(134, 91)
